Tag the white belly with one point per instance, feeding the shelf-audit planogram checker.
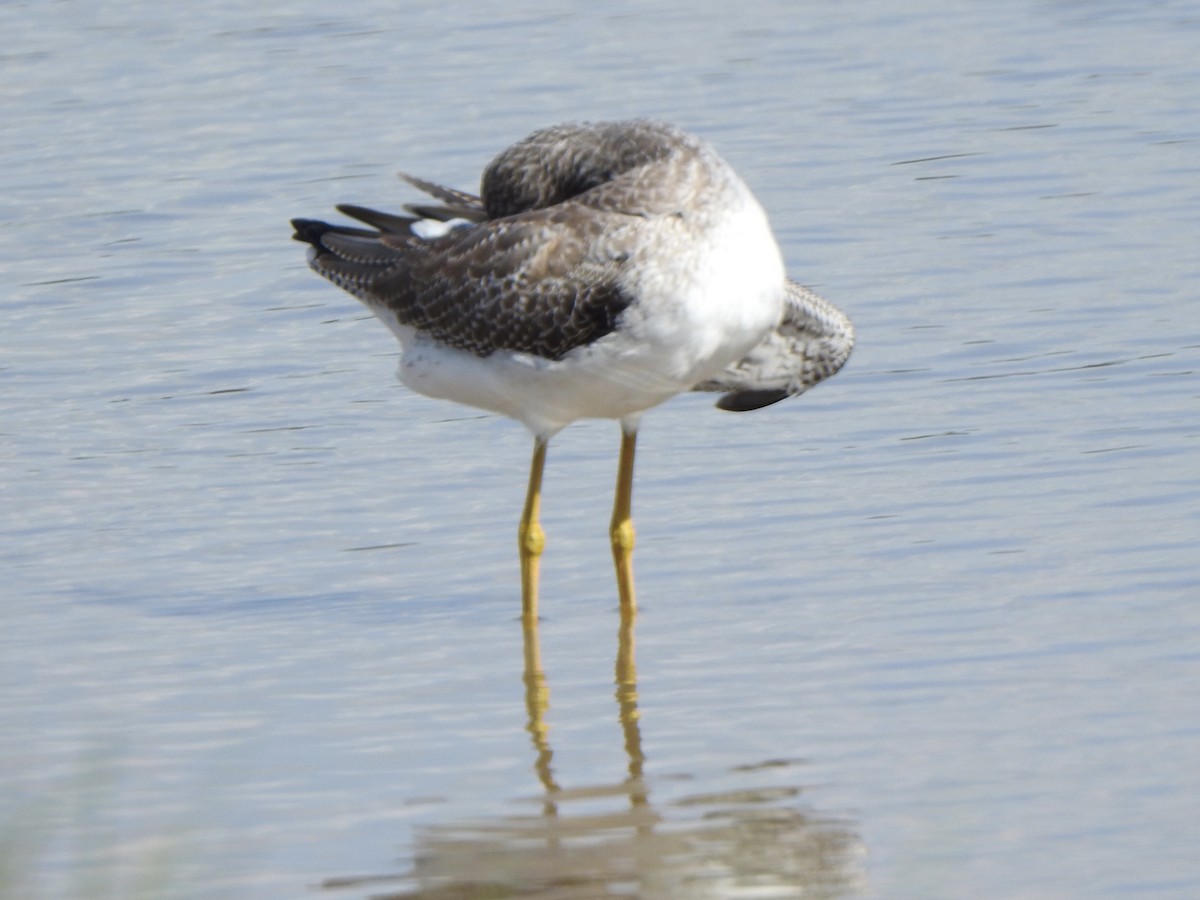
(697, 310)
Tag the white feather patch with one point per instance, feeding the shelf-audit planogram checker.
(428, 229)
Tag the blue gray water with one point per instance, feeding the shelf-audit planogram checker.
(929, 631)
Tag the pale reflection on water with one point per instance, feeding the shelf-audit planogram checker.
(614, 840)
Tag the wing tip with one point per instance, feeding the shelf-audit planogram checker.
(309, 231)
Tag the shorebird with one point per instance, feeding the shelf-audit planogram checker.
(602, 269)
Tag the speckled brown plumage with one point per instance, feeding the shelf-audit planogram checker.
(534, 263)
(539, 271)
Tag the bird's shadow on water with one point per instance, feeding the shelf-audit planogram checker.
(614, 840)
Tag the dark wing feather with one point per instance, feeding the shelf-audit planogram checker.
(385, 223)
(455, 199)
(541, 283)
(537, 269)
(457, 205)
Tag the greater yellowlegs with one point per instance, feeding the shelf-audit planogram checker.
(603, 269)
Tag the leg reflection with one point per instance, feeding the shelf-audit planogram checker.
(627, 709)
(537, 702)
(599, 838)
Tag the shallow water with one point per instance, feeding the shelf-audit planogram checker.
(929, 631)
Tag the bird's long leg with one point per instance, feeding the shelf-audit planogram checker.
(621, 528)
(531, 539)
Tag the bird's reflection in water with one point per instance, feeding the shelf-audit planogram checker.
(747, 840)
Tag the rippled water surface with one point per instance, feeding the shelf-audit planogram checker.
(929, 631)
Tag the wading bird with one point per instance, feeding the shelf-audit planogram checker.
(602, 269)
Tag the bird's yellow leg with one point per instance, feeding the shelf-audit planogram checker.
(531, 539)
(621, 528)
